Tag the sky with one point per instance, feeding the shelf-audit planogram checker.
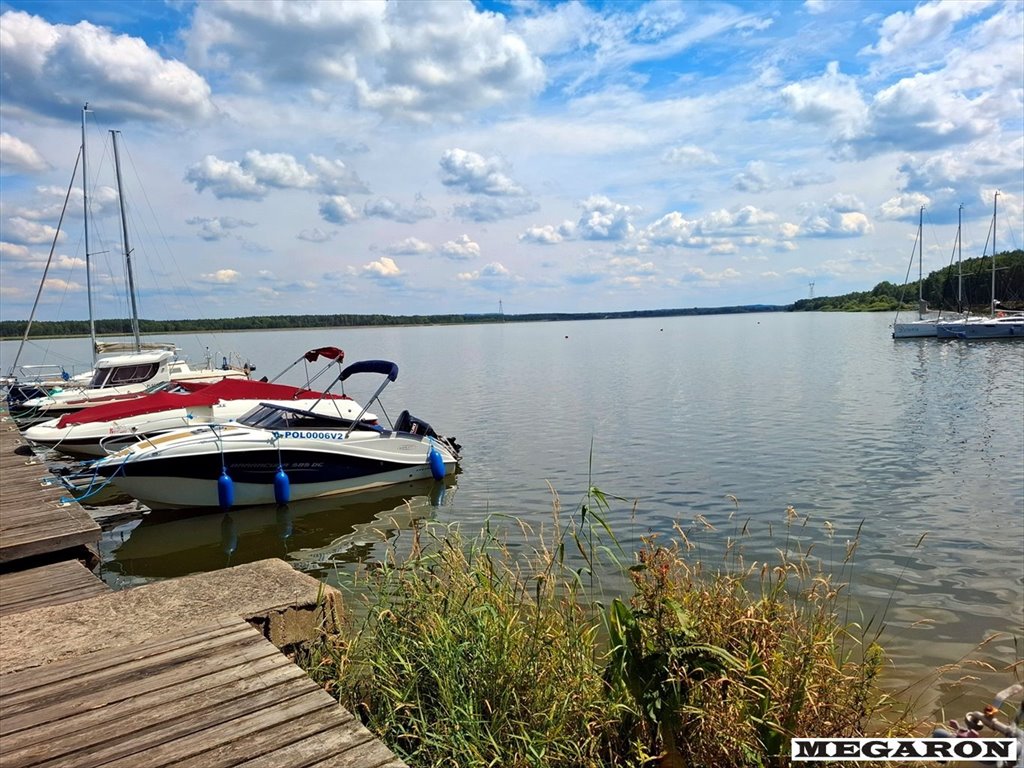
(422, 157)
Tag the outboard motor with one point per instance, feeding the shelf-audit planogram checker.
(409, 423)
(406, 422)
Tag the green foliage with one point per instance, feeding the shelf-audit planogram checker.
(64, 328)
(481, 652)
(463, 658)
(940, 289)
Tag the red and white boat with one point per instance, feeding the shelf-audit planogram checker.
(106, 427)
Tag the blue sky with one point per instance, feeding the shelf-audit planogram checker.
(434, 157)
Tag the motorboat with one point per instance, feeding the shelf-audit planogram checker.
(115, 379)
(30, 381)
(103, 429)
(277, 453)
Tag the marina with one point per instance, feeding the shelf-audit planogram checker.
(188, 671)
(911, 443)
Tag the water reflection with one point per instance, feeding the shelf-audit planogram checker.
(316, 535)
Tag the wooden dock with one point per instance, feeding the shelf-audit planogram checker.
(218, 695)
(183, 672)
(35, 521)
(57, 584)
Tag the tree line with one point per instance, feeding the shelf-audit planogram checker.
(64, 328)
(940, 290)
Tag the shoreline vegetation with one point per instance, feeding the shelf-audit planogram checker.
(491, 650)
(939, 289)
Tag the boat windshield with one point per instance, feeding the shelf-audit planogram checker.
(124, 374)
(278, 417)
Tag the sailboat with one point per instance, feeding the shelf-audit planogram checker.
(999, 324)
(925, 325)
(113, 378)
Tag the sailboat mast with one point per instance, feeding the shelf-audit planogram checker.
(127, 248)
(85, 220)
(920, 265)
(959, 261)
(46, 269)
(995, 200)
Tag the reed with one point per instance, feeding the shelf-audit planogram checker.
(496, 650)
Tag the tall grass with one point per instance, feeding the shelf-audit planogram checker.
(479, 651)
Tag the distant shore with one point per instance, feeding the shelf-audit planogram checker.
(14, 329)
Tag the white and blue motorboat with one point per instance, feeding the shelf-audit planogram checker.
(279, 453)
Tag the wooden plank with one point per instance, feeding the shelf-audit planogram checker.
(34, 520)
(101, 729)
(220, 695)
(297, 743)
(54, 584)
(207, 670)
(108, 665)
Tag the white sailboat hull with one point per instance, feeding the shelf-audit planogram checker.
(919, 329)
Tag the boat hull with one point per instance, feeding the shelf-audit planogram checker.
(169, 492)
(984, 330)
(916, 330)
(176, 472)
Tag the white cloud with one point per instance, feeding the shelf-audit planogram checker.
(832, 220)
(22, 231)
(420, 61)
(590, 148)
(14, 252)
(133, 80)
(17, 156)
(492, 276)
(461, 249)
(410, 246)
(931, 22)
(385, 208)
(336, 178)
(753, 179)
(338, 210)
(218, 228)
(690, 156)
(225, 179)
(832, 100)
(476, 174)
(548, 234)
(220, 277)
(603, 219)
(278, 170)
(483, 209)
(902, 207)
(383, 268)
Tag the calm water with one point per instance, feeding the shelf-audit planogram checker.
(823, 412)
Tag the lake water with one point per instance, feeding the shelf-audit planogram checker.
(821, 412)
